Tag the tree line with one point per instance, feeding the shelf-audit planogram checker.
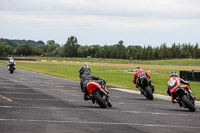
(119, 51)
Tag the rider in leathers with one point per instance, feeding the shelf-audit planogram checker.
(84, 69)
(11, 61)
(138, 76)
(174, 83)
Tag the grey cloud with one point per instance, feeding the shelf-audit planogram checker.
(185, 9)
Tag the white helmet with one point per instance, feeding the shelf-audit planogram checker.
(173, 74)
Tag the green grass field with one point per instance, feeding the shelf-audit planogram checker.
(116, 75)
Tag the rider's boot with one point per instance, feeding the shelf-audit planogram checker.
(86, 96)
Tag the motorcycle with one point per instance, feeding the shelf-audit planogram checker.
(99, 93)
(185, 98)
(146, 88)
(11, 68)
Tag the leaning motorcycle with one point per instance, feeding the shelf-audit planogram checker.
(99, 93)
(146, 88)
(185, 98)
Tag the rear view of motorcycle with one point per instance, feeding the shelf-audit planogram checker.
(11, 68)
(99, 93)
(146, 89)
(11, 65)
(185, 98)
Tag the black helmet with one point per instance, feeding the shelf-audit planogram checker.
(138, 68)
(173, 74)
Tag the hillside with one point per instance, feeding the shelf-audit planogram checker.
(16, 43)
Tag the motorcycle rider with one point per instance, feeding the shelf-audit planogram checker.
(138, 76)
(174, 83)
(11, 62)
(86, 78)
(84, 69)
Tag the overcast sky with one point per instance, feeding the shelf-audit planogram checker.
(103, 22)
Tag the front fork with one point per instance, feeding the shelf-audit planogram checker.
(106, 94)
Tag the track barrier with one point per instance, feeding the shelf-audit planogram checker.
(193, 75)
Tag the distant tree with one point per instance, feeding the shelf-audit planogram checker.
(43, 48)
(120, 50)
(25, 50)
(9, 50)
(144, 53)
(174, 51)
(71, 47)
(50, 42)
(100, 53)
(149, 53)
(52, 47)
(83, 51)
(196, 51)
(185, 51)
(156, 53)
(163, 53)
(92, 50)
(129, 52)
(2, 50)
(59, 52)
(37, 51)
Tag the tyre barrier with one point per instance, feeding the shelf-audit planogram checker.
(193, 75)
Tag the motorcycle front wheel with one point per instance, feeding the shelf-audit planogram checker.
(109, 102)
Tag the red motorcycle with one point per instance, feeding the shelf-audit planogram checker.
(185, 98)
(99, 93)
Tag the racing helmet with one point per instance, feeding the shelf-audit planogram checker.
(11, 58)
(138, 68)
(173, 74)
(85, 66)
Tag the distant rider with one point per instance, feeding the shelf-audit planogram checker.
(86, 78)
(174, 83)
(138, 76)
(11, 62)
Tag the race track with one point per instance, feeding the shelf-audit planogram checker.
(36, 103)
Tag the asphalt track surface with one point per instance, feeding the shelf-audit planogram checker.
(36, 103)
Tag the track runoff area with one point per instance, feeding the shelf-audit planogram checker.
(33, 102)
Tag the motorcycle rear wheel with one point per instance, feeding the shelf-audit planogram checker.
(187, 103)
(99, 99)
(149, 93)
(11, 71)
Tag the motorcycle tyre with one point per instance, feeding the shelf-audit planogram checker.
(11, 71)
(187, 103)
(149, 93)
(109, 103)
(99, 99)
